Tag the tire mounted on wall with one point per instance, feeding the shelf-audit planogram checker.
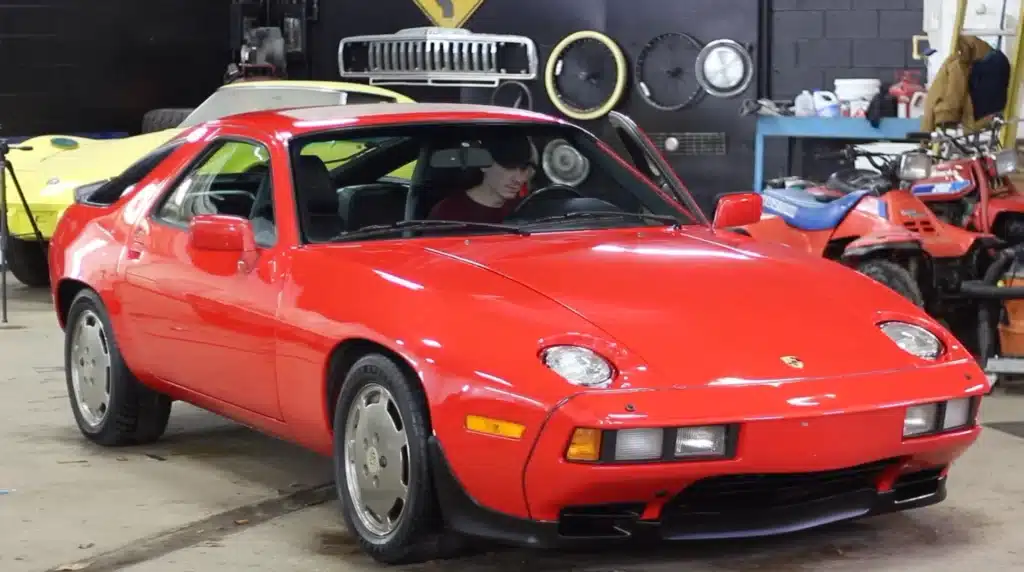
(166, 118)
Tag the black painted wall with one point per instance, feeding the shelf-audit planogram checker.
(631, 23)
(99, 65)
(813, 42)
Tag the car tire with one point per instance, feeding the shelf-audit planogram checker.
(27, 261)
(895, 277)
(417, 533)
(167, 118)
(132, 414)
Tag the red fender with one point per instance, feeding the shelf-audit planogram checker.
(885, 239)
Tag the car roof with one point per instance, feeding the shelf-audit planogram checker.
(310, 84)
(307, 120)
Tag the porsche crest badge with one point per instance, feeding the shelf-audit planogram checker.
(792, 361)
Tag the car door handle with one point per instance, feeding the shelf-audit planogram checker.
(136, 245)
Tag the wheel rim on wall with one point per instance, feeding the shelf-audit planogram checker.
(514, 94)
(664, 72)
(724, 68)
(585, 75)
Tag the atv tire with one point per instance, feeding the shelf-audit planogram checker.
(895, 277)
(167, 118)
(27, 261)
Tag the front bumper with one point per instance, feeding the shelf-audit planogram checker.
(808, 453)
(824, 497)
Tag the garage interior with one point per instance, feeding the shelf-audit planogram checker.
(213, 494)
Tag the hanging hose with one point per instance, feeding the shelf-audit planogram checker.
(990, 292)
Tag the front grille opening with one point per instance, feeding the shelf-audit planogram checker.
(767, 491)
(599, 521)
(918, 484)
(922, 226)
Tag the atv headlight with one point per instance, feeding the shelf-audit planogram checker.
(1007, 161)
(578, 365)
(912, 339)
(914, 166)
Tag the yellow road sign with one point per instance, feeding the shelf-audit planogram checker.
(448, 13)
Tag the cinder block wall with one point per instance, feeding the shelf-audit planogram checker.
(813, 42)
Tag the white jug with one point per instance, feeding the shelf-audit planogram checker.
(826, 103)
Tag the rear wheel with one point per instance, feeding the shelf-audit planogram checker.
(381, 464)
(111, 406)
(26, 259)
(895, 277)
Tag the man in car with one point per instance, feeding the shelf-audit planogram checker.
(515, 160)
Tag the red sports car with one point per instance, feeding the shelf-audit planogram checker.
(533, 338)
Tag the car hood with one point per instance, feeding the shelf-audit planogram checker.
(49, 175)
(698, 310)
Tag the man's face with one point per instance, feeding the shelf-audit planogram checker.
(506, 182)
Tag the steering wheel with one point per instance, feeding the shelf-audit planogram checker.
(552, 190)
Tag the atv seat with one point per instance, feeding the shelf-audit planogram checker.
(800, 209)
(853, 180)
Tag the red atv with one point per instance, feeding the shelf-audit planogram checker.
(870, 221)
(969, 186)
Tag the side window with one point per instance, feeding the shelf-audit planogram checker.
(233, 179)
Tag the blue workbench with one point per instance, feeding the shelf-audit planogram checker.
(891, 129)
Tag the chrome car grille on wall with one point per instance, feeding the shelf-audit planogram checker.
(438, 57)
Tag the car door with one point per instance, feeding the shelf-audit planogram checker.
(639, 150)
(211, 331)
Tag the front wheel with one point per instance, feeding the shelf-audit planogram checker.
(26, 259)
(895, 277)
(381, 464)
(111, 406)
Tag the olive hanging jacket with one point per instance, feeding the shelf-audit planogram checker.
(948, 100)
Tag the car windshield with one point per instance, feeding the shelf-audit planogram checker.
(253, 97)
(469, 178)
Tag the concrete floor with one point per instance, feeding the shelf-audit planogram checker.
(216, 496)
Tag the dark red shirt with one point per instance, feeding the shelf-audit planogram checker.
(462, 208)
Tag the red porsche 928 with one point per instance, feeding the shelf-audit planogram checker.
(498, 326)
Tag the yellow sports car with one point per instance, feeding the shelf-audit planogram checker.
(57, 165)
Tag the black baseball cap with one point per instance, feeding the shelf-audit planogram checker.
(511, 152)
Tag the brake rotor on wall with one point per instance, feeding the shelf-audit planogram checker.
(585, 75)
(663, 72)
(564, 164)
(724, 68)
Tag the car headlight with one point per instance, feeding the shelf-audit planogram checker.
(578, 365)
(1007, 161)
(912, 339)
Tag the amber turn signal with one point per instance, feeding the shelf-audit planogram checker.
(585, 445)
(496, 427)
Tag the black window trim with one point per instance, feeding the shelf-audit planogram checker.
(157, 156)
(210, 148)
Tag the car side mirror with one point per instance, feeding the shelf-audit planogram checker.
(220, 233)
(737, 209)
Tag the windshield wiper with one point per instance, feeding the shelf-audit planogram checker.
(416, 224)
(607, 214)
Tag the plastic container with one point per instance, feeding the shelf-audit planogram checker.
(826, 104)
(853, 89)
(855, 95)
(1011, 335)
(917, 102)
(903, 90)
(803, 105)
